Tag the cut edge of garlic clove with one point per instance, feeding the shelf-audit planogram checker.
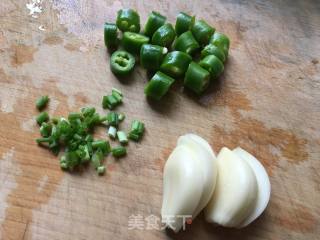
(208, 162)
(182, 187)
(264, 186)
(235, 192)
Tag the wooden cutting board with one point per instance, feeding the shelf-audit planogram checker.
(267, 101)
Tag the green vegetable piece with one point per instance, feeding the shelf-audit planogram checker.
(202, 31)
(137, 130)
(69, 160)
(42, 117)
(88, 111)
(110, 35)
(122, 137)
(221, 41)
(117, 94)
(186, 43)
(97, 158)
(101, 170)
(158, 86)
(132, 42)
(122, 63)
(213, 65)
(155, 20)
(83, 153)
(151, 56)
(128, 20)
(74, 116)
(119, 151)
(45, 129)
(211, 49)
(103, 145)
(164, 36)
(113, 119)
(121, 117)
(42, 102)
(184, 23)
(175, 63)
(109, 102)
(196, 78)
(112, 132)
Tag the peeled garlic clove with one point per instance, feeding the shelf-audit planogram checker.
(207, 161)
(182, 187)
(236, 191)
(264, 187)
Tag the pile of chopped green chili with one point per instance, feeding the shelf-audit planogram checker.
(197, 52)
(75, 134)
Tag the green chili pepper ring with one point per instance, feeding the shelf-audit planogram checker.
(122, 62)
(202, 31)
(164, 36)
(132, 42)
(211, 49)
(128, 20)
(221, 41)
(186, 43)
(184, 23)
(158, 86)
(151, 56)
(175, 63)
(196, 78)
(155, 20)
(213, 65)
(110, 35)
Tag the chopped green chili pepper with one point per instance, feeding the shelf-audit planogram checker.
(202, 32)
(119, 151)
(132, 42)
(158, 86)
(109, 102)
(45, 129)
(112, 132)
(96, 158)
(155, 20)
(184, 23)
(42, 102)
(110, 35)
(121, 117)
(122, 63)
(196, 78)
(175, 63)
(122, 137)
(128, 20)
(103, 145)
(151, 56)
(42, 117)
(101, 170)
(211, 49)
(113, 119)
(186, 43)
(164, 36)
(221, 41)
(137, 130)
(213, 65)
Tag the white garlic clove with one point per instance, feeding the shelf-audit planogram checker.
(182, 187)
(264, 187)
(235, 193)
(206, 159)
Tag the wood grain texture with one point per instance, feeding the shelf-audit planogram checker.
(267, 102)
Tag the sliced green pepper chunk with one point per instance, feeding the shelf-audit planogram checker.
(42, 117)
(122, 62)
(151, 56)
(175, 63)
(128, 20)
(221, 41)
(110, 35)
(186, 43)
(132, 42)
(202, 31)
(164, 36)
(211, 49)
(158, 86)
(196, 78)
(155, 20)
(213, 65)
(184, 23)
